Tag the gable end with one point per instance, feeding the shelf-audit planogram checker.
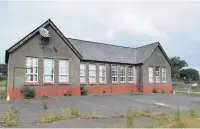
(33, 33)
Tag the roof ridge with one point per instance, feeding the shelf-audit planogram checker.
(100, 43)
(148, 44)
(112, 44)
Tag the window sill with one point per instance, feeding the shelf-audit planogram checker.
(63, 83)
(92, 83)
(31, 83)
(131, 82)
(115, 82)
(102, 83)
(83, 83)
(48, 83)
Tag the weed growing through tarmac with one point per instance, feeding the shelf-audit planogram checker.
(192, 111)
(74, 111)
(177, 119)
(45, 105)
(130, 118)
(9, 118)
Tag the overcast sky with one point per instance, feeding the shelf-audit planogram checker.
(176, 25)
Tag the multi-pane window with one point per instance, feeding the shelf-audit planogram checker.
(163, 74)
(92, 73)
(102, 73)
(123, 73)
(157, 73)
(82, 73)
(151, 74)
(48, 70)
(63, 71)
(32, 69)
(130, 74)
(114, 73)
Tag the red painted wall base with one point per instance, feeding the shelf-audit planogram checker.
(49, 91)
(159, 86)
(60, 90)
(110, 89)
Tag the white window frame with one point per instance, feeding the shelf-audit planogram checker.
(116, 70)
(151, 75)
(101, 73)
(164, 70)
(94, 71)
(83, 69)
(31, 66)
(48, 66)
(129, 73)
(67, 70)
(123, 76)
(157, 74)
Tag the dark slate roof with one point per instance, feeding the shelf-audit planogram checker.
(94, 51)
(111, 53)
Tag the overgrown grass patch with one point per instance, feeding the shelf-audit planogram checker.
(192, 111)
(94, 116)
(3, 83)
(9, 118)
(49, 117)
(3, 94)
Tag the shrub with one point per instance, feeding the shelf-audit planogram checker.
(84, 91)
(130, 119)
(192, 111)
(155, 90)
(74, 111)
(3, 95)
(65, 94)
(9, 118)
(69, 93)
(45, 105)
(27, 92)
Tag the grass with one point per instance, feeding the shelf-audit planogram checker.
(130, 118)
(181, 88)
(9, 118)
(49, 117)
(192, 112)
(196, 90)
(177, 119)
(3, 94)
(3, 83)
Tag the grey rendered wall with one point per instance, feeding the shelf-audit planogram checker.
(33, 48)
(156, 59)
(108, 73)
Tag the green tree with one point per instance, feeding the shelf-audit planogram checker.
(177, 65)
(189, 75)
(3, 69)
